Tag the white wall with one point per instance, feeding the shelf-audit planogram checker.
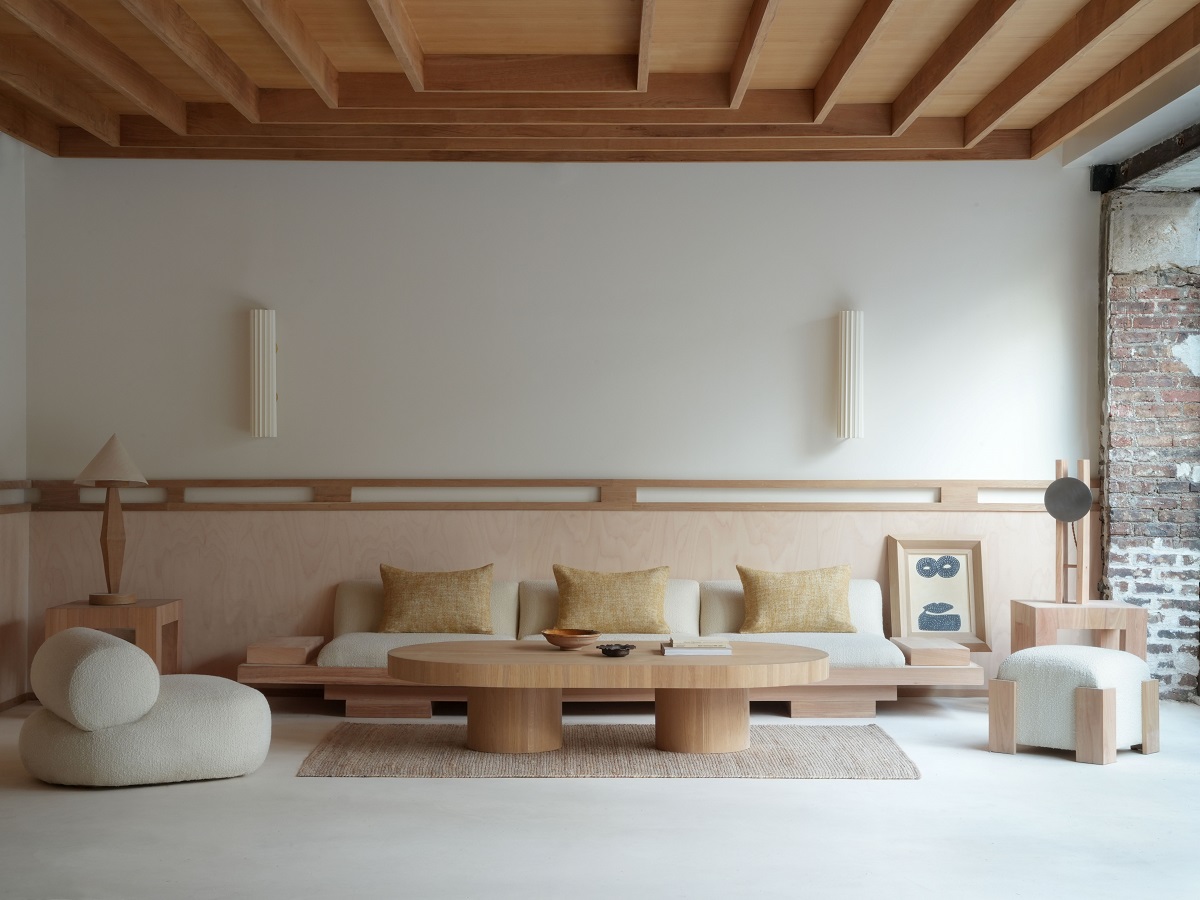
(12, 309)
(490, 320)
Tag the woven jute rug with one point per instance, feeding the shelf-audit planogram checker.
(359, 750)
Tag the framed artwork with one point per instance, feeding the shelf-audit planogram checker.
(937, 589)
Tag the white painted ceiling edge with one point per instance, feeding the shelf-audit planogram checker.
(1159, 112)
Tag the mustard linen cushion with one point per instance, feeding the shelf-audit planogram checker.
(437, 602)
(613, 602)
(810, 601)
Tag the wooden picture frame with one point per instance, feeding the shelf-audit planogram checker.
(936, 589)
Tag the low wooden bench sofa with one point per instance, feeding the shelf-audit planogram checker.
(866, 666)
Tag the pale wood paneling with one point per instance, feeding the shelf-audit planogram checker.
(697, 35)
(14, 601)
(527, 26)
(1088, 68)
(906, 42)
(246, 576)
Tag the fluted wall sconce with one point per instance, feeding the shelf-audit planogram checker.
(264, 399)
(850, 374)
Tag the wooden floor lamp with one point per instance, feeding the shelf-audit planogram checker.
(112, 468)
(1069, 501)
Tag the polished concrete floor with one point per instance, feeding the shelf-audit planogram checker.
(977, 825)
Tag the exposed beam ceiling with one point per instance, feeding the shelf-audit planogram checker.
(620, 80)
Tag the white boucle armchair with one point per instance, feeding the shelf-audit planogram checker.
(109, 719)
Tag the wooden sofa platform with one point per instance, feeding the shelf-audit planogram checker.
(371, 692)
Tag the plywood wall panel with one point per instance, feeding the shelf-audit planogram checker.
(245, 576)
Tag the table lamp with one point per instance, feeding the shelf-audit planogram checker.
(112, 468)
(1069, 501)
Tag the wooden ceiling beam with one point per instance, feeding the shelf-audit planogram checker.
(386, 90)
(754, 36)
(864, 31)
(74, 38)
(223, 129)
(671, 98)
(531, 73)
(847, 120)
(280, 21)
(1085, 29)
(645, 38)
(1172, 46)
(168, 21)
(398, 28)
(999, 145)
(964, 41)
(28, 127)
(45, 85)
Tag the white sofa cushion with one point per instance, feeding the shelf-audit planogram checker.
(539, 609)
(723, 607)
(846, 650)
(358, 606)
(94, 680)
(370, 649)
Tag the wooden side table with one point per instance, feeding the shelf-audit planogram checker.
(1119, 626)
(155, 625)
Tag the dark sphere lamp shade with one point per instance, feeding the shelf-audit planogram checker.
(1068, 499)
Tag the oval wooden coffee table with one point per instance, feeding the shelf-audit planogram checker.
(514, 688)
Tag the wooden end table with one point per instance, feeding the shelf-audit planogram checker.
(514, 688)
(155, 626)
(1119, 626)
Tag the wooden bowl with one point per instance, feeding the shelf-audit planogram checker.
(570, 638)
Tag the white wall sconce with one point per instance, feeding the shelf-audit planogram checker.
(264, 397)
(850, 374)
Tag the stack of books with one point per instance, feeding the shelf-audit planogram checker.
(696, 647)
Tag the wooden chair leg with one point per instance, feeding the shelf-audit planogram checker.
(1149, 742)
(1096, 725)
(1002, 716)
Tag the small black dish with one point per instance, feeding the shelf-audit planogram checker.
(615, 649)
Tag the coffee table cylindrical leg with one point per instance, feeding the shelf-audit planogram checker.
(514, 720)
(702, 721)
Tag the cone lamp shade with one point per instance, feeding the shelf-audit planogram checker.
(112, 468)
(850, 374)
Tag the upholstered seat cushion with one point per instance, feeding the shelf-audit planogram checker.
(201, 727)
(846, 650)
(370, 650)
(1046, 680)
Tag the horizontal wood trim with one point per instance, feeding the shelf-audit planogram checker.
(5, 509)
(16, 701)
(620, 494)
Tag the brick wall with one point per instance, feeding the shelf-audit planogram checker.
(1151, 507)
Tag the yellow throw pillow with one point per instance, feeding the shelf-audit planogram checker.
(815, 600)
(613, 602)
(437, 602)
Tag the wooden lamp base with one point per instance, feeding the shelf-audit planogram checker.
(112, 599)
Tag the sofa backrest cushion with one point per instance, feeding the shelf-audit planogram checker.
(723, 606)
(94, 680)
(358, 606)
(539, 606)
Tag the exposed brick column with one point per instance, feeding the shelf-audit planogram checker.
(1151, 444)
